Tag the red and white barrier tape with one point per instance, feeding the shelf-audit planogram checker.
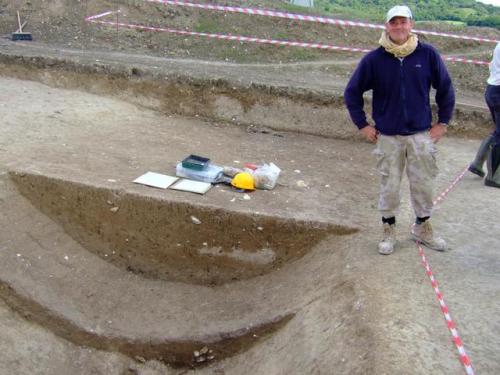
(249, 39)
(303, 17)
(445, 192)
(238, 38)
(466, 61)
(464, 358)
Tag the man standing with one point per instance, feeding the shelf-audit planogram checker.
(401, 73)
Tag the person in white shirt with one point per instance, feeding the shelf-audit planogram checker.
(490, 146)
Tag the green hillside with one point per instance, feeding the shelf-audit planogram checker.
(469, 12)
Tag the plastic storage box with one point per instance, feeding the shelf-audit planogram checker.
(211, 173)
(195, 162)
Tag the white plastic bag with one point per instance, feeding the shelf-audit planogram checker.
(266, 176)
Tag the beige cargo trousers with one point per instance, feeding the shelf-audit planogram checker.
(416, 153)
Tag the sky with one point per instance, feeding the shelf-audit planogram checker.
(492, 2)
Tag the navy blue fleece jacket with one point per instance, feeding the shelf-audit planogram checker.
(401, 89)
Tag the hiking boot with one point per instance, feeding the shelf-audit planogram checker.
(386, 246)
(424, 234)
(476, 166)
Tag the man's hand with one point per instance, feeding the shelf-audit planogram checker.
(370, 133)
(437, 131)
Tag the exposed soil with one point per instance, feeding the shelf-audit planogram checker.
(227, 247)
(99, 275)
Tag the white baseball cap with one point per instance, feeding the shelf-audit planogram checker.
(398, 11)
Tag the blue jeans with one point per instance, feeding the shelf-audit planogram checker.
(492, 96)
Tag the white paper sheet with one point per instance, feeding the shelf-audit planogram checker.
(192, 186)
(157, 180)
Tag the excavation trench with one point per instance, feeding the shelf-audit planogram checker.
(164, 285)
(173, 241)
(177, 352)
(160, 239)
(171, 90)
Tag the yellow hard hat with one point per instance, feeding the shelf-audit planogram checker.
(243, 180)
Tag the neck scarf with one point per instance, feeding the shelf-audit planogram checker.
(397, 50)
